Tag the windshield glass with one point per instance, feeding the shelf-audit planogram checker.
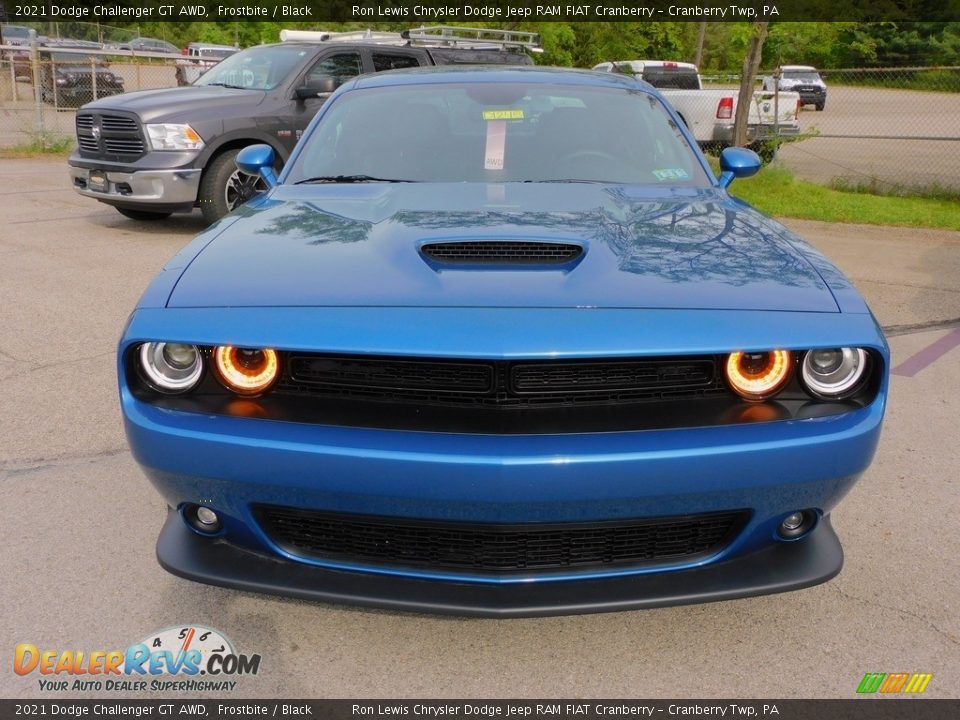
(509, 132)
(76, 58)
(802, 76)
(260, 68)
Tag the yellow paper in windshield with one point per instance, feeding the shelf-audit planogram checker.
(503, 114)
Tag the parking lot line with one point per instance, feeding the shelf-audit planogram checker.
(929, 355)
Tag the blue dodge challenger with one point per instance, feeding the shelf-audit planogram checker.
(498, 342)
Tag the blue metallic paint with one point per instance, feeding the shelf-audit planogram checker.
(335, 268)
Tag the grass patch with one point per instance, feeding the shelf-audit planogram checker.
(775, 191)
(40, 144)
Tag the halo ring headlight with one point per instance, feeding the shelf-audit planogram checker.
(833, 373)
(758, 375)
(171, 368)
(246, 371)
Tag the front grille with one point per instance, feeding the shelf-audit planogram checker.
(487, 548)
(386, 375)
(502, 252)
(119, 136)
(118, 123)
(120, 146)
(499, 384)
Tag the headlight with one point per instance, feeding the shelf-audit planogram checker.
(108, 77)
(166, 136)
(171, 367)
(758, 375)
(246, 371)
(834, 372)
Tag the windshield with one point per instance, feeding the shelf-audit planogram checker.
(15, 31)
(492, 132)
(75, 58)
(802, 76)
(259, 68)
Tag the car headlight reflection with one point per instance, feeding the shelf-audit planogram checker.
(246, 371)
(758, 375)
(169, 136)
(171, 368)
(834, 372)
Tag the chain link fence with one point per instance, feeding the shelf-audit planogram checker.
(40, 92)
(885, 130)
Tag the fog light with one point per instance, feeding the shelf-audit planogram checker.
(791, 523)
(208, 517)
(202, 519)
(797, 524)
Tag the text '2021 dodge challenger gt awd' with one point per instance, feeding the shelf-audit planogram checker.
(498, 342)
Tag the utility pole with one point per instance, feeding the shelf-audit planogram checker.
(751, 64)
(701, 35)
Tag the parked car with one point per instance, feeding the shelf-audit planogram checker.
(710, 113)
(143, 44)
(198, 58)
(802, 79)
(172, 150)
(480, 350)
(70, 77)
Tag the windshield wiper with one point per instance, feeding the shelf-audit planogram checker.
(568, 180)
(349, 179)
(227, 85)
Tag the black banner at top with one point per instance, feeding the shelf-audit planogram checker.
(490, 12)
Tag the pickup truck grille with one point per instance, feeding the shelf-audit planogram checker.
(109, 136)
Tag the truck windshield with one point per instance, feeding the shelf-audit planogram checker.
(806, 76)
(498, 132)
(259, 68)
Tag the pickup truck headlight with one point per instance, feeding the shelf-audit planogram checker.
(167, 136)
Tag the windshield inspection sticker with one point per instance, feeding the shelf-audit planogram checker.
(671, 174)
(503, 114)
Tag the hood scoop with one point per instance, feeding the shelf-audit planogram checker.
(526, 253)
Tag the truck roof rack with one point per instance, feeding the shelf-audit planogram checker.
(432, 36)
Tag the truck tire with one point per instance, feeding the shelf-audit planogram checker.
(224, 188)
(143, 214)
(820, 106)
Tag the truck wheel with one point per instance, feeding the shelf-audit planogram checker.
(143, 214)
(224, 188)
(820, 106)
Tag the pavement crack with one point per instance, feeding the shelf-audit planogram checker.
(911, 328)
(15, 468)
(946, 635)
(46, 366)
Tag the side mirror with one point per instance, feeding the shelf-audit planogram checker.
(323, 85)
(737, 162)
(258, 160)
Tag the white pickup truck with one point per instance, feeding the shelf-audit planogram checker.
(709, 113)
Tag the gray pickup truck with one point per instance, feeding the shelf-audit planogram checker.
(157, 152)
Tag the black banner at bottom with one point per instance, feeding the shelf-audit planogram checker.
(853, 709)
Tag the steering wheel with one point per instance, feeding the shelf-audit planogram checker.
(580, 155)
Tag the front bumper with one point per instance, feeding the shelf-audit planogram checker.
(772, 569)
(174, 189)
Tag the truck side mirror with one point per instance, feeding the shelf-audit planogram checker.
(315, 87)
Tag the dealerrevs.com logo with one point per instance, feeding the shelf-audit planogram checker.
(186, 658)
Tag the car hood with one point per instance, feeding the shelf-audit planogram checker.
(171, 103)
(359, 245)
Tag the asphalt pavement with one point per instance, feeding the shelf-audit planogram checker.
(79, 520)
